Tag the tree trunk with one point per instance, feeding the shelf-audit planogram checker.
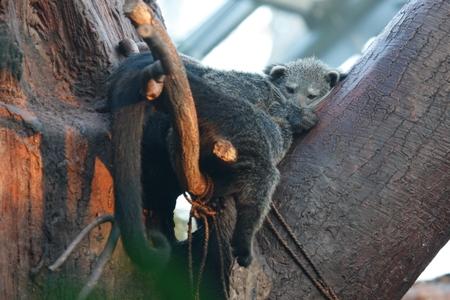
(366, 191)
(54, 147)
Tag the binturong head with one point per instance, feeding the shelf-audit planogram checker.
(304, 81)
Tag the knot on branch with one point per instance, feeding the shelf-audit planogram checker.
(200, 207)
(225, 151)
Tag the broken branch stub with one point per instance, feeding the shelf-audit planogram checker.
(225, 151)
(181, 106)
(138, 12)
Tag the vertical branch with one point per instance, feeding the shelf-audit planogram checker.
(181, 106)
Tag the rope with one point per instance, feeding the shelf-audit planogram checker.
(190, 267)
(296, 241)
(320, 283)
(199, 210)
(204, 256)
(196, 293)
(221, 257)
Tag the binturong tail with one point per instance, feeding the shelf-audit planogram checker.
(150, 252)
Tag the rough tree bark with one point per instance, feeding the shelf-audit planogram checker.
(54, 146)
(367, 191)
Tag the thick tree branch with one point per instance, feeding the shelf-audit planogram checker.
(182, 108)
(368, 189)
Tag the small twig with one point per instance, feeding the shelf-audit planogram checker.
(98, 221)
(101, 262)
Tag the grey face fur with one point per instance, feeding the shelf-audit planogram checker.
(303, 81)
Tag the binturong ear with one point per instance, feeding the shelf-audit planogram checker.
(275, 71)
(333, 77)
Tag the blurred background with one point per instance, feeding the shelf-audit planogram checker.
(247, 35)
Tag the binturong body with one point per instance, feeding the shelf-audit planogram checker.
(301, 82)
(148, 250)
(249, 110)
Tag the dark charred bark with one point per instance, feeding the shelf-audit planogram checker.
(367, 191)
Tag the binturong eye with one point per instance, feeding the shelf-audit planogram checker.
(290, 90)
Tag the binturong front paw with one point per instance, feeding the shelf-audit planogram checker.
(242, 252)
(309, 118)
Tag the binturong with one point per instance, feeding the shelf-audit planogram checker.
(304, 81)
(258, 113)
(148, 250)
(261, 136)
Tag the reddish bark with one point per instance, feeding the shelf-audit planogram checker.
(366, 191)
(55, 148)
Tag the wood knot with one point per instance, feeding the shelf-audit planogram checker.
(138, 12)
(200, 207)
(225, 151)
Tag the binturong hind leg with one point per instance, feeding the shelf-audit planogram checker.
(252, 205)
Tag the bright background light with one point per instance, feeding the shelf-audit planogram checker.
(244, 53)
(439, 266)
